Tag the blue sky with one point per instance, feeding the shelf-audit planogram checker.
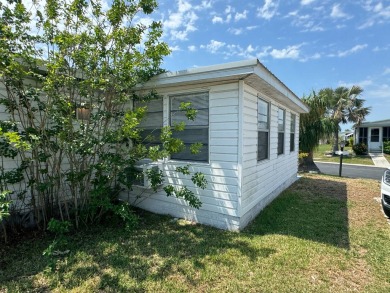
(307, 44)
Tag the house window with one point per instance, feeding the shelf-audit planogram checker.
(281, 124)
(375, 135)
(83, 111)
(386, 134)
(363, 135)
(262, 129)
(152, 122)
(292, 132)
(195, 131)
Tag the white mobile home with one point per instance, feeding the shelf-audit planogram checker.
(248, 123)
(373, 134)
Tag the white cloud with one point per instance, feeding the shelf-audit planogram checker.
(217, 19)
(379, 14)
(239, 16)
(291, 52)
(235, 31)
(252, 27)
(174, 48)
(191, 48)
(213, 46)
(268, 10)
(337, 12)
(180, 23)
(229, 9)
(386, 71)
(351, 51)
(204, 5)
(306, 2)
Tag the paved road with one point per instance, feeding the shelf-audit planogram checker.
(353, 171)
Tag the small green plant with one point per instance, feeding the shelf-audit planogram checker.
(350, 141)
(4, 210)
(386, 147)
(301, 158)
(360, 149)
(58, 246)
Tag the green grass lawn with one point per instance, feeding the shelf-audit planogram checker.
(324, 234)
(319, 155)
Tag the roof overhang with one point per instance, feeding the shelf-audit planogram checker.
(379, 123)
(252, 72)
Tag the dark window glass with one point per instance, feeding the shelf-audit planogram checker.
(262, 145)
(281, 126)
(152, 123)
(375, 135)
(363, 135)
(292, 133)
(195, 131)
(263, 129)
(386, 133)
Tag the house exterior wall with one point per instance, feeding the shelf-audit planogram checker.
(238, 186)
(262, 181)
(220, 198)
(382, 134)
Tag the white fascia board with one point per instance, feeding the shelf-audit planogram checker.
(379, 123)
(228, 71)
(266, 75)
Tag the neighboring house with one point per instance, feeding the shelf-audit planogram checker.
(346, 135)
(373, 134)
(248, 122)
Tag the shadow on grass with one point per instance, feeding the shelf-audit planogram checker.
(313, 209)
(107, 258)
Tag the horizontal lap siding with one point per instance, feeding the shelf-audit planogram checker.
(261, 179)
(219, 199)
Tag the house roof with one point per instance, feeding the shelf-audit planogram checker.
(378, 123)
(251, 71)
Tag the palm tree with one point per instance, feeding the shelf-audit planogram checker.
(314, 125)
(344, 105)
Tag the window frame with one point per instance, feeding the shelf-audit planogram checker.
(293, 120)
(263, 130)
(175, 157)
(385, 133)
(155, 131)
(363, 138)
(280, 149)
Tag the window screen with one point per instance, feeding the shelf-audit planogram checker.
(195, 131)
(262, 129)
(281, 124)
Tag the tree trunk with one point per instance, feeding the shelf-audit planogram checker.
(336, 139)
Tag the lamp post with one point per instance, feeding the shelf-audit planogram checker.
(342, 145)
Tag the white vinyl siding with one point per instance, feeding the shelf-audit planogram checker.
(263, 181)
(220, 203)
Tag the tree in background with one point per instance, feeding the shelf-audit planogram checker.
(313, 126)
(343, 106)
(69, 69)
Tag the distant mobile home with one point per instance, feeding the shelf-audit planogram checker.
(248, 123)
(373, 134)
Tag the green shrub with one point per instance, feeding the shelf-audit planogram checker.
(360, 149)
(350, 141)
(386, 147)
